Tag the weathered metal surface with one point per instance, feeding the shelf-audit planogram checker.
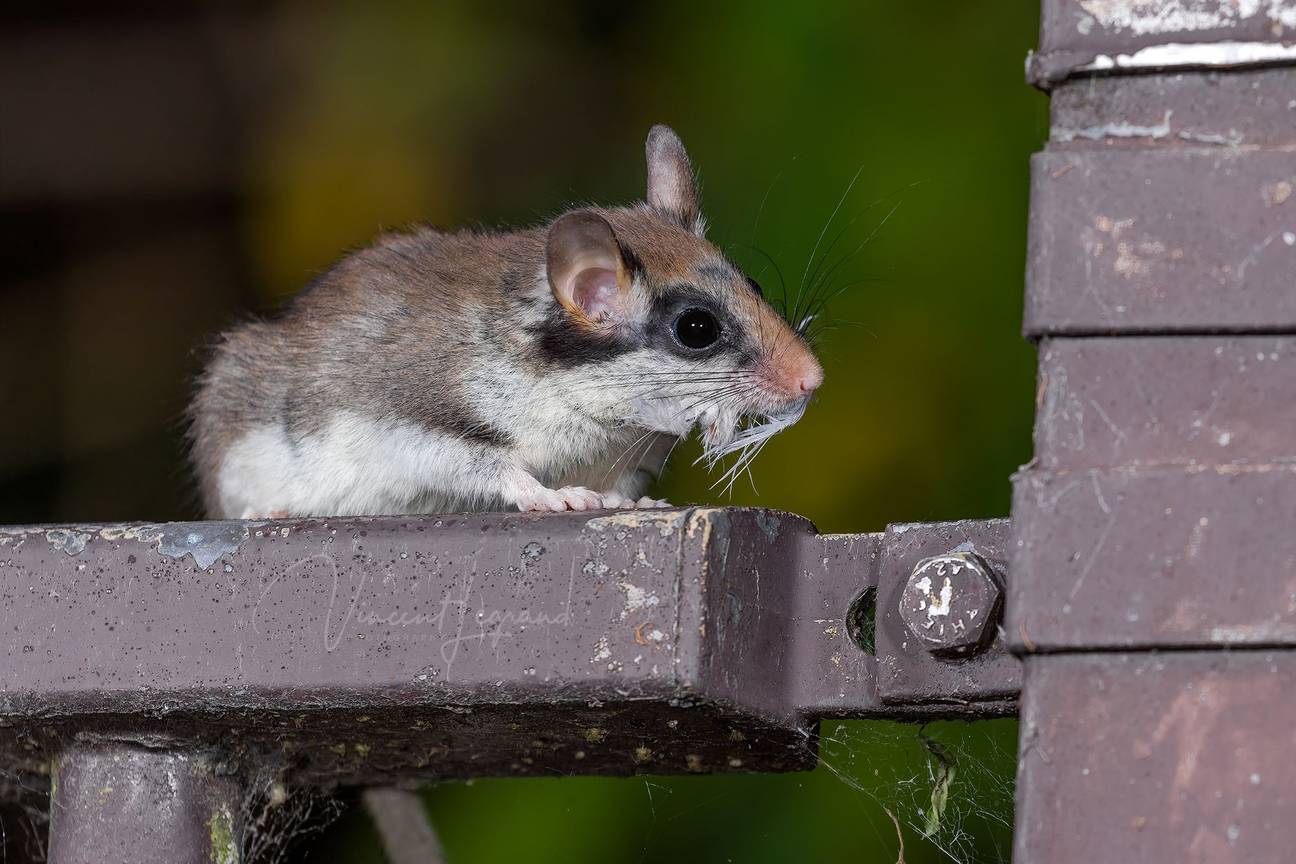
(1207, 245)
(1151, 401)
(1080, 36)
(1165, 470)
(1180, 757)
(373, 650)
(983, 683)
(1159, 509)
(952, 603)
(1187, 109)
(117, 803)
(837, 678)
(1154, 557)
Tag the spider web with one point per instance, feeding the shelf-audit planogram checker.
(946, 786)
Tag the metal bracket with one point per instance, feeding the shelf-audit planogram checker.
(939, 639)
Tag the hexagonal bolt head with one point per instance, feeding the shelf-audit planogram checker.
(952, 603)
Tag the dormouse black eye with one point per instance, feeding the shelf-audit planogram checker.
(755, 286)
(696, 329)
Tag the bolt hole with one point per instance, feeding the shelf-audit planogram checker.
(861, 621)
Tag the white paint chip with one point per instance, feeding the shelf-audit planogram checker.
(1172, 54)
(636, 598)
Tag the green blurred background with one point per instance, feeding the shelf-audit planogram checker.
(165, 170)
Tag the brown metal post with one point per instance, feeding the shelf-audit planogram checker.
(125, 804)
(1156, 525)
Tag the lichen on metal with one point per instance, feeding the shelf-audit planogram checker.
(224, 840)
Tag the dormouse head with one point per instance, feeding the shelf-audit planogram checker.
(665, 331)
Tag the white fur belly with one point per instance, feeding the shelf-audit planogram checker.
(356, 466)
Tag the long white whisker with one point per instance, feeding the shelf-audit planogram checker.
(827, 225)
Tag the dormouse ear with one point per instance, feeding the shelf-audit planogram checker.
(671, 185)
(586, 271)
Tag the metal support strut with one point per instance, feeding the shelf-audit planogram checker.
(121, 802)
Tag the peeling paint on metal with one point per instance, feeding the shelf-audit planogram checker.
(665, 521)
(1177, 54)
(205, 542)
(1143, 17)
(1116, 130)
(703, 517)
(68, 540)
(636, 598)
(1277, 632)
(1277, 193)
(1232, 139)
(1133, 257)
(938, 603)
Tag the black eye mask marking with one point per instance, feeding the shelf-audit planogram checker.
(689, 323)
(559, 341)
(562, 342)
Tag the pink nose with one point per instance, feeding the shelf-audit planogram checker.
(809, 377)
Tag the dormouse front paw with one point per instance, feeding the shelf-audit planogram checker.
(264, 514)
(530, 495)
(617, 501)
(557, 500)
